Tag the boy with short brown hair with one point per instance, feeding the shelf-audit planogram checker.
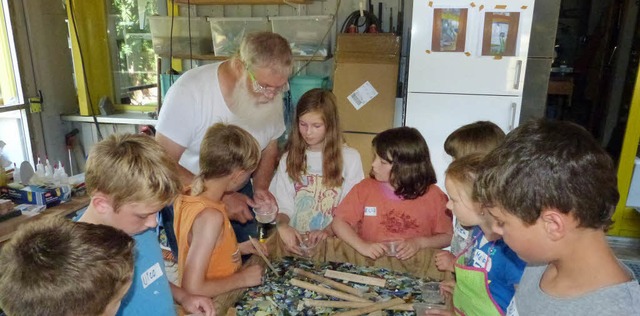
(130, 178)
(552, 190)
(53, 266)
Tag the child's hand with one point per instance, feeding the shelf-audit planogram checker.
(291, 238)
(407, 249)
(372, 250)
(199, 305)
(445, 261)
(439, 312)
(446, 288)
(316, 236)
(247, 248)
(252, 275)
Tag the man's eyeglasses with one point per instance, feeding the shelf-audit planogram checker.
(258, 88)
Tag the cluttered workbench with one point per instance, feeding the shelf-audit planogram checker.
(302, 286)
(9, 226)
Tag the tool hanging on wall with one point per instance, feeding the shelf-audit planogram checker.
(354, 22)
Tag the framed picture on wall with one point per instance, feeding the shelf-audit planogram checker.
(500, 33)
(449, 30)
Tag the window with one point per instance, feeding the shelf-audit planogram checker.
(134, 61)
(15, 146)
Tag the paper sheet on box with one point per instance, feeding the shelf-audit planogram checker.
(362, 95)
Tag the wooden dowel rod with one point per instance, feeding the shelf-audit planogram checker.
(341, 304)
(372, 308)
(330, 292)
(259, 251)
(355, 278)
(329, 282)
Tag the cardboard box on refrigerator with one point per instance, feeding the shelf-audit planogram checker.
(366, 66)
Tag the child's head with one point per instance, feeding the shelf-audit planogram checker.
(460, 178)
(402, 159)
(317, 128)
(544, 172)
(478, 137)
(54, 266)
(227, 150)
(130, 178)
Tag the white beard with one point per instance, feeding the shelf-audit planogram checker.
(258, 113)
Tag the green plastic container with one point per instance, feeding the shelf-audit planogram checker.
(301, 84)
(166, 81)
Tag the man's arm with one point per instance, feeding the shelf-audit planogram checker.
(175, 151)
(262, 176)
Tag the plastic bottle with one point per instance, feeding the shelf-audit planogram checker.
(62, 175)
(48, 170)
(40, 169)
(16, 174)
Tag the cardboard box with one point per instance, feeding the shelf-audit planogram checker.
(33, 195)
(361, 143)
(366, 64)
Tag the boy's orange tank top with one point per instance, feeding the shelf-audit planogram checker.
(221, 263)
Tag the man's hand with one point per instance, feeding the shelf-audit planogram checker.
(263, 197)
(238, 207)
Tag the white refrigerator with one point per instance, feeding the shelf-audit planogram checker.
(467, 63)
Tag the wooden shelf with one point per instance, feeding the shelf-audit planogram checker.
(214, 57)
(223, 2)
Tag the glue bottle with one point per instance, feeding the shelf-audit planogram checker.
(40, 169)
(48, 170)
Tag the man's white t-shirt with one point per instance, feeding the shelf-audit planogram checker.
(193, 104)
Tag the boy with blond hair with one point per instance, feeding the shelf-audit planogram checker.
(53, 266)
(552, 190)
(130, 178)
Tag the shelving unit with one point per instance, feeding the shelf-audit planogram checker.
(214, 57)
(228, 2)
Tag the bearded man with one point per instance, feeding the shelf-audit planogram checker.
(246, 91)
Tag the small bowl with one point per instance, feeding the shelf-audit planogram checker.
(307, 247)
(392, 247)
(422, 308)
(431, 293)
(265, 213)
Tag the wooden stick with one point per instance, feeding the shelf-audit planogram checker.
(372, 308)
(329, 282)
(355, 278)
(330, 292)
(261, 254)
(341, 304)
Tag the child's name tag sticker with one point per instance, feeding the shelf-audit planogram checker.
(152, 274)
(480, 259)
(362, 95)
(370, 211)
(460, 231)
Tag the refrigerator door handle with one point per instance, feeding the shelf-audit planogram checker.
(512, 123)
(516, 82)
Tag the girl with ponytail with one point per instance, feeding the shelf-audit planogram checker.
(209, 257)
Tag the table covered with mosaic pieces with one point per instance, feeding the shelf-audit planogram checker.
(278, 297)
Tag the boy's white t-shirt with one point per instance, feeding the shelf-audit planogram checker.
(193, 104)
